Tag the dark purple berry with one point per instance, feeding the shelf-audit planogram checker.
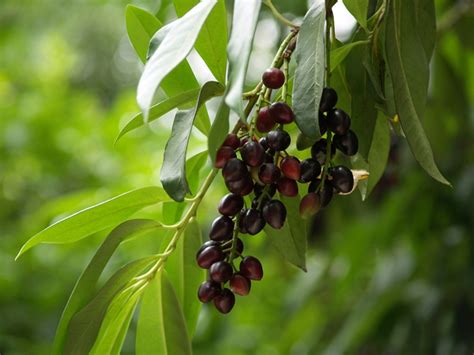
(325, 194)
(278, 140)
(273, 78)
(290, 167)
(287, 187)
(263, 143)
(281, 113)
(270, 192)
(310, 170)
(220, 271)
(209, 256)
(348, 143)
(223, 155)
(232, 141)
(328, 99)
(269, 173)
(234, 169)
(221, 229)
(323, 126)
(230, 204)
(264, 122)
(224, 301)
(206, 244)
(274, 213)
(240, 285)
(319, 150)
(208, 291)
(342, 179)
(253, 153)
(338, 121)
(253, 221)
(241, 187)
(310, 205)
(251, 268)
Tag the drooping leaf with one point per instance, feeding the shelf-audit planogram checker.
(291, 240)
(425, 18)
(212, 41)
(173, 50)
(409, 71)
(309, 74)
(87, 282)
(173, 171)
(161, 325)
(379, 151)
(194, 165)
(160, 109)
(185, 276)
(339, 54)
(244, 23)
(358, 9)
(117, 318)
(84, 326)
(96, 218)
(219, 130)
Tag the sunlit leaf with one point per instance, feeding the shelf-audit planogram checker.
(339, 54)
(309, 74)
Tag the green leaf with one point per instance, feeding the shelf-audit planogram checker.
(425, 18)
(175, 47)
(379, 151)
(86, 284)
(339, 54)
(85, 325)
(158, 110)
(244, 23)
(358, 9)
(219, 130)
(161, 324)
(309, 74)
(194, 166)
(185, 275)
(212, 41)
(96, 218)
(409, 70)
(173, 171)
(117, 318)
(291, 240)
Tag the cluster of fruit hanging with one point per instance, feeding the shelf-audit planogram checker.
(263, 168)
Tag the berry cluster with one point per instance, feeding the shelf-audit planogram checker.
(263, 168)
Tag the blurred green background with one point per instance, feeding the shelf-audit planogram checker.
(392, 275)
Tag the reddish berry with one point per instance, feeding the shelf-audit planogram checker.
(273, 78)
(253, 153)
(232, 141)
(310, 170)
(338, 121)
(251, 268)
(328, 99)
(240, 285)
(274, 213)
(221, 229)
(278, 140)
(290, 167)
(223, 155)
(342, 179)
(310, 205)
(281, 113)
(206, 244)
(208, 291)
(348, 143)
(264, 122)
(269, 173)
(224, 302)
(220, 271)
(209, 256)
(287, 187)
(230, 204)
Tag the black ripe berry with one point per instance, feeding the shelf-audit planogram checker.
(338, 121)
(232, 141)
(253, 153)
(323, 126)
(274, 213)
(264, 122)
(208, 290)
(234, 169)
(251, 268)
(281, 113)
(328, 99)
(223, 154)
(252, 221)
(221, 229)
(269, 173)
(310, 170)
(325, 192)
(287, 187)
(278, 140)
(220, 271)
(209, 256)
(348, 143)
(230, 204)
(207, 244)
(319, 150)
(290, 167)
(342, 179)
(273, 78)
(242, 186)
(240, 285)
(310, 205)
(224, 301)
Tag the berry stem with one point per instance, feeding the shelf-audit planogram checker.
(234, 241)
(284, 90)
(327, 163)
(278, 15)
